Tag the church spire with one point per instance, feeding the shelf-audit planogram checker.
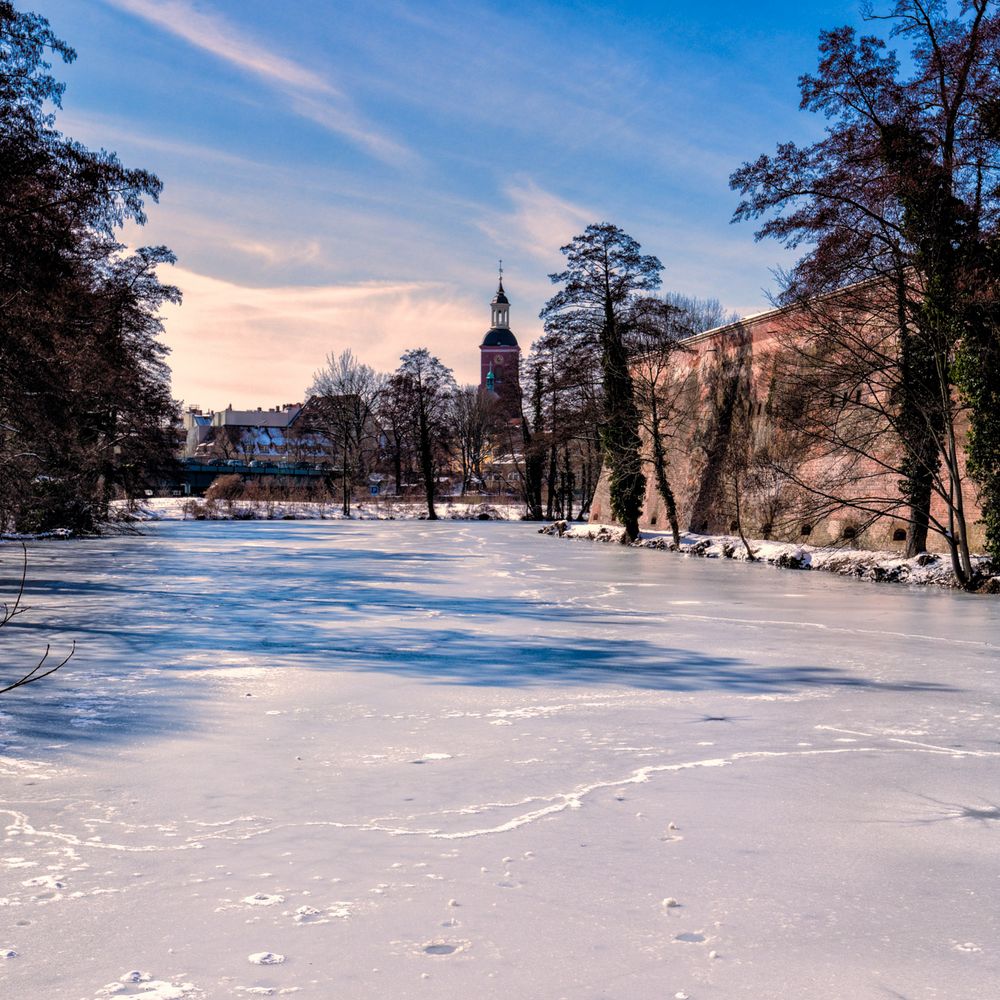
(500, 306)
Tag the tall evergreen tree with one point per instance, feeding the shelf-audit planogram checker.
(605, 271)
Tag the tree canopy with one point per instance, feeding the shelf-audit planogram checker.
(85, 405)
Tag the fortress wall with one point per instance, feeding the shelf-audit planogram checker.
(724, 387)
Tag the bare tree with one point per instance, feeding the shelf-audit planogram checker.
(426, 390)
(657, 328)
(698, 315)
(902, 191)
(344, 398)
(477, 417)
(844, 399)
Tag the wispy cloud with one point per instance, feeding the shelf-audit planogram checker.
(539, 223)
(97, 129)
(343, 121)
(278, 336)
(283, 253)
(213, 34)
(311, 94)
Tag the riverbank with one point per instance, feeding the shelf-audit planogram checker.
(928, 568)
(380, 509)
(127, 514)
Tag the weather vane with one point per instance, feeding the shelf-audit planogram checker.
(501, 269)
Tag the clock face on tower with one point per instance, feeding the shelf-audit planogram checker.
(498, 359)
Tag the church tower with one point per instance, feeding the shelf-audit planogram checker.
(500, 357)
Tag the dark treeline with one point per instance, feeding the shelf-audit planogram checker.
(85, 406)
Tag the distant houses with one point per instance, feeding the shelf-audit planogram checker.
(258, 445)
(272, 435)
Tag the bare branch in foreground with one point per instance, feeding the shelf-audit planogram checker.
(8, 611)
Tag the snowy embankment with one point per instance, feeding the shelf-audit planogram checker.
(877, 567)
(195, 509)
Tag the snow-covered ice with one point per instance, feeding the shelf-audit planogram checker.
(641, 777)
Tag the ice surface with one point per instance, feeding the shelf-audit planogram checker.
(810, 775)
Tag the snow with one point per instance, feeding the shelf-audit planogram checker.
(864, 564)
(713, 780)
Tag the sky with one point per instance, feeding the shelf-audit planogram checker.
(347, 174)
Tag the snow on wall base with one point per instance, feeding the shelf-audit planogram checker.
(875, 567)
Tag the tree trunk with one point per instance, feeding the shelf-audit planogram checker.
(550, 481)
(427, 465)
(532, 458)
(619, 430)
(568, 470)
(660, 471)
(751, 555)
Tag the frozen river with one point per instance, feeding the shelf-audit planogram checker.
(460, 760)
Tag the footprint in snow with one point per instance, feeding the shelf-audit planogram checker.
(263, 899)
(306, 915)
(265, 958)
(690, 937)
(967, 946)
(142, 984)
(441, 947)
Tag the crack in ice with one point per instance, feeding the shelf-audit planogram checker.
(553, 804)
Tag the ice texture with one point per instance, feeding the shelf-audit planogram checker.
(806, 764)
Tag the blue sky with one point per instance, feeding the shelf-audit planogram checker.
(344, 174)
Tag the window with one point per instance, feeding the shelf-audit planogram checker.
(806, 529)
(899, 535)
(849, 533)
